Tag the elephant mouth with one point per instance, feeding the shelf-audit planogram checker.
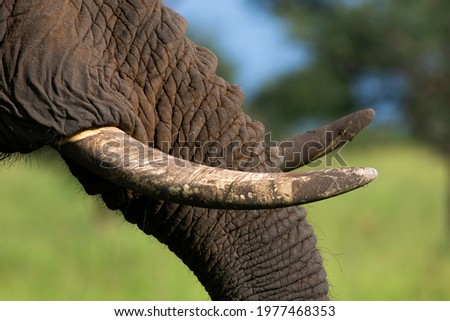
(127, 162)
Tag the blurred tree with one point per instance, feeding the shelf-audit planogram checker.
(402, 46)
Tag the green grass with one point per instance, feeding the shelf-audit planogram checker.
(387, 241)
(56, 243)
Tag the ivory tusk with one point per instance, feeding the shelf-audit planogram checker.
(119, 158)
(307, 147)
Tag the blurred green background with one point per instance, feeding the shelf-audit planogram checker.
(387, 241)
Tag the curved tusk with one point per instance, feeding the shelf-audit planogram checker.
(307, 147)
(121, 159)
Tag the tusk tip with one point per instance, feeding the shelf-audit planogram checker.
(369, 112)
(369, 174)
(366, 116)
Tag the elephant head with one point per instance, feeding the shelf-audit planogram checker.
(139, 115)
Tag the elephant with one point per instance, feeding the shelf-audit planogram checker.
(137, 112)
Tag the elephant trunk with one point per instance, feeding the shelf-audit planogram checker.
(240, 255)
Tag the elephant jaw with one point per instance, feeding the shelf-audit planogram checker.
(119, 158)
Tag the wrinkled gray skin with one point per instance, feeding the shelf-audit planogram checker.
(73, 65)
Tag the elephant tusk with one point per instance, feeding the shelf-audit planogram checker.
(119, 158)
(307, 147)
